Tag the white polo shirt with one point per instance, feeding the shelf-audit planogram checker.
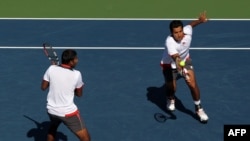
(62, 83)
(182, 48)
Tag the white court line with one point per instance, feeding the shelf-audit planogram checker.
(126, 19)
(128, 48)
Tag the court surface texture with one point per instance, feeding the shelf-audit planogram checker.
(124, 95)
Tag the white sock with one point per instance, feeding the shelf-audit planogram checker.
(197, 102)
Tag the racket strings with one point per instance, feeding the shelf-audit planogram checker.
(50, 53)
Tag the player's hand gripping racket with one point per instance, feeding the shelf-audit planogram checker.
(50, 53)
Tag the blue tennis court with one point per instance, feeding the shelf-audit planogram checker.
(124, 87)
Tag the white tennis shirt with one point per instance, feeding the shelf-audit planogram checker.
(62, 83)
(182, 48)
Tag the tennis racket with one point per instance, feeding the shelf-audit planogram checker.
(50, 53)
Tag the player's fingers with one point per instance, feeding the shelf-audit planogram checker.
(203, 17)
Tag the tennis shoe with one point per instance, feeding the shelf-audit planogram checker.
(171, 104)
(202, 115)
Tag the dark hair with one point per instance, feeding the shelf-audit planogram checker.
(175, 24)
(68, 55)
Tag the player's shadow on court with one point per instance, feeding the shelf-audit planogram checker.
(39, 133)
(157, 96)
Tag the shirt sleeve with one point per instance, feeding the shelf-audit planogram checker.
(170, 45)
(46, 75)
(79, 83)
(188, 30)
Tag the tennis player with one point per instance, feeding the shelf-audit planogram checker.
(64, 82)
(176, 50)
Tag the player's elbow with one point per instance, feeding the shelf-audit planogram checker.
(43, 89)
(78, 92)
(44, 85)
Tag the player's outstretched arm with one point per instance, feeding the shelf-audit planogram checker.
(202, 19)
